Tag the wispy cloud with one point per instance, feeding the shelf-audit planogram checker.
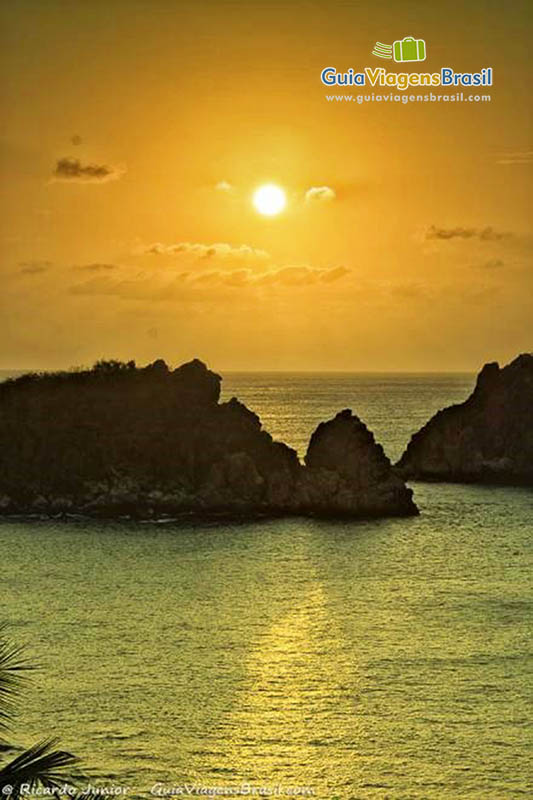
(34, 267)
(487, 234)
(186, 284)
(207, 251)
(94, 267)
(73, 171)
(517, 157)
(334, 274)
(493, 263)
(283, 276)
(298, 275)
(224, 186)
(319, 194)
(408, 291)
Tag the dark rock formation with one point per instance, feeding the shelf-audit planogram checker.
(486, 439)
(348, 473)
(119, 439)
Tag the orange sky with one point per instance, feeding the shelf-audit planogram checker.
(419, 258)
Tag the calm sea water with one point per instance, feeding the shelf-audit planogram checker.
(384, 659)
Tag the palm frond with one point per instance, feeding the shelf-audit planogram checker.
(13, 664)
(39, 765)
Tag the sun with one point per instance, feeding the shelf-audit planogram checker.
(269, 199)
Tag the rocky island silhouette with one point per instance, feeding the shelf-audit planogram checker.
(144, 442)
(486, 439)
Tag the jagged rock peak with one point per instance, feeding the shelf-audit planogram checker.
(349, 472)
(194, 376)
(488, 438)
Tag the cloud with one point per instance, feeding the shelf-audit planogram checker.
(106, 285)
(319, 194)
(94, 267)
(185, 285)
(302, 276)
(487, 234)
(224, 186)
(520, 157)
(72, 170)
(408, 291)
(493, 263)
(334, 274)
(34, 267)
(286, 276)
(208, 251)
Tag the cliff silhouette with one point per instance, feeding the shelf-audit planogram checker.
(119, 439)
(486, 439)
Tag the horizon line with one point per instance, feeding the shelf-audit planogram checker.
(236, 371)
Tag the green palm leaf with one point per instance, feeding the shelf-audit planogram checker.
(12, 666)
(40, 765)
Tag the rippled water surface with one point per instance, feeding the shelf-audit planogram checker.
(384, 659)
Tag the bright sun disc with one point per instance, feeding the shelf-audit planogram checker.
(269, 199)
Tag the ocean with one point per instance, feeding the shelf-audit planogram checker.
(384, 659)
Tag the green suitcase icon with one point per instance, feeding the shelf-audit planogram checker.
(409, 49)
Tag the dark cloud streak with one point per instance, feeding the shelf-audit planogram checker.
(94, 267)
(72, 170)
(34, 267)
(487, 234)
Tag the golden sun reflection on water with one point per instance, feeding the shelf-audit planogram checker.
(294, 698)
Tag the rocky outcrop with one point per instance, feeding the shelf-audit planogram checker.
(486, 439)
(348, 473)
(121, 440)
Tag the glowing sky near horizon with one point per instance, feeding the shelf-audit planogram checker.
(137, 132)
